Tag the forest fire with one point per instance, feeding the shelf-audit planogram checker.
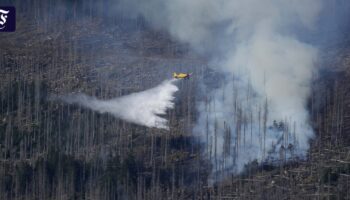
(90, 106)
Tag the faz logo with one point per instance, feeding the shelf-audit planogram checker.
(7, 19)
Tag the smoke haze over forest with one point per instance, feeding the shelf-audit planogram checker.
(89, 109)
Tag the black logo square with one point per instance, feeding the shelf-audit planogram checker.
(7, 19)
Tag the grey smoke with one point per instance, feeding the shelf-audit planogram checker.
(255, 43)
(143, 108)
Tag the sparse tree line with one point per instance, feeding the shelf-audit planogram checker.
(49, 150)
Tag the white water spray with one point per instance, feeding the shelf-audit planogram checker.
(143, 108)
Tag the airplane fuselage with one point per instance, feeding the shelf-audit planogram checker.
(181, 75)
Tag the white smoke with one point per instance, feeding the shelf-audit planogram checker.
(257, 43)
(143, 108)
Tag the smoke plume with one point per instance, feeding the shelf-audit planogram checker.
(143, 108)
(259, 112)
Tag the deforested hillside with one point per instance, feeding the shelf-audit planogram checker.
(264, 113)
(50, 149)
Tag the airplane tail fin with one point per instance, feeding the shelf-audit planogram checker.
(174, 74)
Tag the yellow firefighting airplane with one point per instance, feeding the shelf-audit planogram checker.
(181, 75)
